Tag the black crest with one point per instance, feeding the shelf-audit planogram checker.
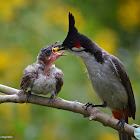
(72, 28)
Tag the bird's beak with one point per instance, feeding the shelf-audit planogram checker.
(54, 56)
(58, 48)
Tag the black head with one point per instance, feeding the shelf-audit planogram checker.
(72, 28)
(74, 39)
(78, 43)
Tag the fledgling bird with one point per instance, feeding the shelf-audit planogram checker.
(107, 74)
(43, 77)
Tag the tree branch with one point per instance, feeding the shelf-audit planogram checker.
(16, 96)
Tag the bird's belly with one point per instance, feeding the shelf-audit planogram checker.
(109, 88)
(44, 85)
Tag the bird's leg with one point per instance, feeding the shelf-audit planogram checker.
(28, 95)
(52, 99)
(94, 105)
(122, 121)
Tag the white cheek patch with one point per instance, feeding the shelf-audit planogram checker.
(78, 49)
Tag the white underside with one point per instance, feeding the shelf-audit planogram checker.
(105, 81)
(46, 84)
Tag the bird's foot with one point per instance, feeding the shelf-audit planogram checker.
(28, 96)
(121, 123)
(89, 104)
(52, 99)
(94, 105)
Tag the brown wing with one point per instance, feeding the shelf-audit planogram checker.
(59, 82)
(27, 80)
(121, 72)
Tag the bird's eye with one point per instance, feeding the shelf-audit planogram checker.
(71, 43)
(48, 52)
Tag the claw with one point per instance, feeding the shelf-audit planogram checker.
(89, 104)
(52, 99)
(121, 123)
(28, 96)
(94, 105)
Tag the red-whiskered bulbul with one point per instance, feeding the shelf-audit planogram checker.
(43, 77)
(107, 74)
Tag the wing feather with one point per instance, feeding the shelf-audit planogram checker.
(121, 72)
(30, 74)
(59, 82)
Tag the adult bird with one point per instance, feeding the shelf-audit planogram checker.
(43, 77)
(107, 74)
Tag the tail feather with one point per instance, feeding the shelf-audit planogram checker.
(123, 136)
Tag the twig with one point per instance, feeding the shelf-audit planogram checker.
(16, 96)
(8, 90)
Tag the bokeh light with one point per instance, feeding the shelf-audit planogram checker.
(28, 25)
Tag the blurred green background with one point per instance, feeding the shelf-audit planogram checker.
(28, 25)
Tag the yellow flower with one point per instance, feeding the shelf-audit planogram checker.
(6, 111)
(107, 39)
(8, 8)
(7, 114)
(3, 60)
(24, 112)
(108, 136)
(59, 16)
(13, 61)
(129, 14)
(20, 3)
(48, 131)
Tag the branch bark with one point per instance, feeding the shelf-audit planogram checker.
(16, 96)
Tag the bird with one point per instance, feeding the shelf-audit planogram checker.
(43, 77)
(108, 76)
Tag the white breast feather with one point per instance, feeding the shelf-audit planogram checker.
(105, 81)
(46, 84)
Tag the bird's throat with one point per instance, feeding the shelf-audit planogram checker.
(47, 68)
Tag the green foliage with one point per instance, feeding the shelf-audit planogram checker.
(28, 25)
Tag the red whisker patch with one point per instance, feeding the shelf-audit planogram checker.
(77, 44)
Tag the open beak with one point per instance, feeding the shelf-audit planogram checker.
(54, 54)
(58, 48)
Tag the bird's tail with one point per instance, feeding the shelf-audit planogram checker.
(124, 136)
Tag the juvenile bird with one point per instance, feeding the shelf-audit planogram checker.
(107, 74)
(43, 77)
